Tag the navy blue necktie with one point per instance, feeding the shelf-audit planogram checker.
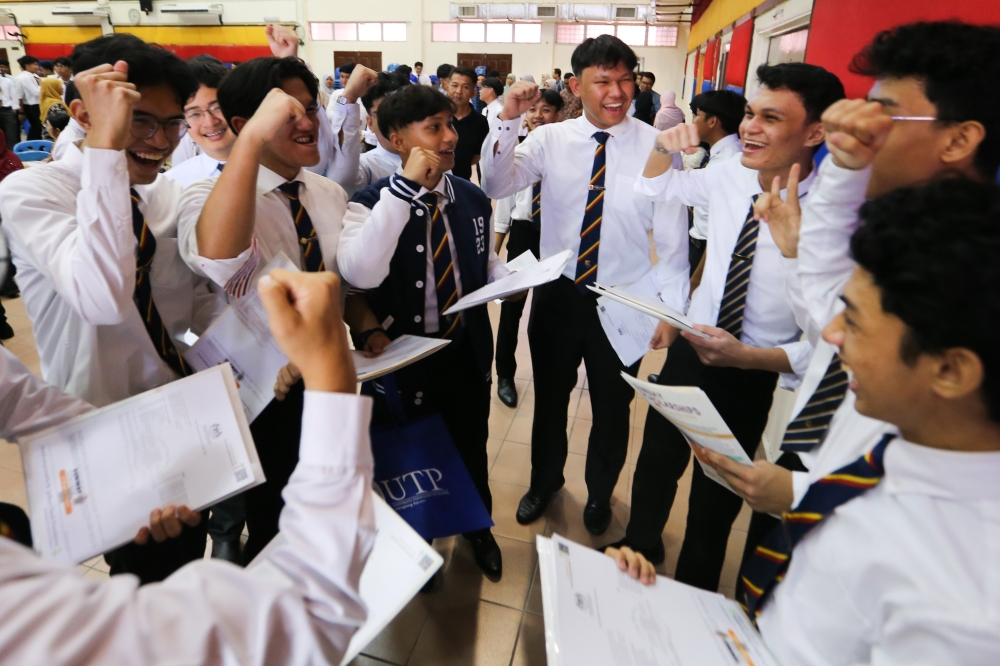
(811, 425)
(590, 232)
(312, 257)
(734, 297)
(444, 268)
(536, 203)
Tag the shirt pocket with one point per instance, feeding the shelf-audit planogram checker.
(621, 195)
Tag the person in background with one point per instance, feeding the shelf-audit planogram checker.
(55, 123)
(491, 93)
(552, 80)
(422, 78)
(644, 107)
(383, 160)
(511, 79)
(327, 84)
(9, 163)
(572, 105)
(669, 114)
(646, 82)
(74, 130)
(444, 74)
(332, 112)
(519, 218)
(472, 127)
(557, 75)
(404, 74)
(63, 69)
(46, 69)
(29, 90)
(10, 106)
(50, 97)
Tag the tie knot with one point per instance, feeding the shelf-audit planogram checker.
(602, 137)
(290, 189)
(431, 199)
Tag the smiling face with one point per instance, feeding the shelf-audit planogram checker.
(328, 82)
(145, 157)
(775, 130)
(435, 133)
(208, 127)
(542, 114)
(298, 145)
(605, 93)
(461, 89)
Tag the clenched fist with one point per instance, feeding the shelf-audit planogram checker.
(108, 97)
(680, 138)
(521, 97)
(361, 80)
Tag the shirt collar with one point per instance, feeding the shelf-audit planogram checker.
(268, 180)
(954, 475)
(381, 152)
(725, 142)
(620, 130)
(804, 185)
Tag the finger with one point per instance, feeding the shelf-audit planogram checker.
(776, 189)
(171, 525)
(142, 536)
(693, 134)
(156, 526)
(277, 299)
(633, 563)
(762, 206)
(648, 576)
(793, 185)
(188, 517)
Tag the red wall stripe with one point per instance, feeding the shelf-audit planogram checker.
(739, 55)
(225, 53)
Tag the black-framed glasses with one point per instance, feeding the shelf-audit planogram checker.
(197, 115)
(145, 126)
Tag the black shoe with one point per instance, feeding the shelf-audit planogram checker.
(507, 391)
(10, 290)
(597, 517)
(6, 332)
(653, 378)
(533, 505)
(655, 555)
(228, 550)
(487, 553)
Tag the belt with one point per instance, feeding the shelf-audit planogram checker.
(529, 222)
(697, 242)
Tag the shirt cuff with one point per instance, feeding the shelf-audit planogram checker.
(504, 132)
(841, 184)
(335, 430)
(224, 271)
(652, 187)
(799, 354)
(800, 484)
(102, 167)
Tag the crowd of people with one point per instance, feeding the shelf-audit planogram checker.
(843, 247)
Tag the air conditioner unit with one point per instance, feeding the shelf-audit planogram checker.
(579, 12)
(626, 13)
(547, 12)
(72, 11)
(506, 11)
(190, 9)
(467, 11)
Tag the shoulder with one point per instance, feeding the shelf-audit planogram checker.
(467, 191)
(318, 183)
(370, 195)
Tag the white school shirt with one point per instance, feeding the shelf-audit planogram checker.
(515, 207)
(561, 155)
(337, 116)
(9, 95)
(375, 165)
(370, 237)
(74, 132)
(27, 404)
(424, 79)
(492, 110)
(28, 87)
(185, 150)
(723, 149)
(300, 606)
(906, 574)
(274, 229)
(69, 224)
(197, 168)
(338, 159)
(727, 189)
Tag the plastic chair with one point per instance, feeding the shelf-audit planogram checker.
(33, 151)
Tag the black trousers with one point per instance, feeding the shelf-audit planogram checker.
(449, 383)
(228, 517)
(743, 399)
(31, 112)
(696, 248)
(276, 433)
(563, 330)
(521, 237)
(761, 524)
(11, 128)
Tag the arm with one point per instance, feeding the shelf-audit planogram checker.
(670, 235)
(664, 180)
(506, 166)
(501, 220)
(27, 404)
(343, 146)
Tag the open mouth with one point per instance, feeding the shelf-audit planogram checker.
(307, 140)
(751, 146)
(216, 135)
(614, 108)
(147, 159)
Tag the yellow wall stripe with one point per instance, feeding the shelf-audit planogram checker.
(719, 14)
(63, 34)
(228, 35)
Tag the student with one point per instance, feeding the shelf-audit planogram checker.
(63, 68)
(93, 237)
(587, 167)
(55, 123)
(572, 107)
(521, 215)
(302, 605)
(206, 125)
(646, 82)
(418, 71)
(386, 221)
(266, 202)
(350, 97)
(382, 161)
(47, 71)
(443, 72)
(472, 127)
(491, 93)
(29, 90)
(10, 105)
(741, 303)
(73, 131)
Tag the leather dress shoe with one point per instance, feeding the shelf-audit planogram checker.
(655, 555)
(507, 392)
(653, 378)
(487, 553)
(228, 550)
(533, 505)
(6, 330)
(597, 517)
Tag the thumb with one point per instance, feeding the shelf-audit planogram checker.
(276, 298)
(121, 66)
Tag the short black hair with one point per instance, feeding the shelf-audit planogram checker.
(209, 70)
(411, 105)
(815, 86)
(729, 107)
(557, 71)
(403, 72)
(444, 71)
(465, 71)
(26, 60)
(495, 73)
(148, 64)
(648, 75)
(958, 66)
(243, 90)
(46, 64)
(552, 98)
(348, 67)
(931, 251)
(64, 61)
(568, 75)
(57, 119)
(496, 84)
(418, 64)
(387, 85)
(604, 51)
(70, 93)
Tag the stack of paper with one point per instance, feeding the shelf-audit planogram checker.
(402, 351)
(596, 614)
(93, 480)
(652, 306)
(525, 278)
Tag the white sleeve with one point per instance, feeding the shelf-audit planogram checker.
(793, 285)
(513, 167)
(343, 163)
(28, 404)
(501, 218)
(88, 251)
(369, 237)
(690, 188)
(798, 354)
(670, 235)
(300, 607)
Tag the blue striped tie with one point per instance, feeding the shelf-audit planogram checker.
(444, 268)
(312, 257)
(734, 297)
(536, 203)
(811, 425)
(590, 232)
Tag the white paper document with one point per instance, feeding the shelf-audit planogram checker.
(525, 278)
(524, 260)
(651, 305)
(629, 330)
(688, 408)
(401, 562)
(241, 336)
(93, 480)
(401, 352)
(598, 615)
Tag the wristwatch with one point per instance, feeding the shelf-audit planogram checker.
(342, 100)
(661, 149)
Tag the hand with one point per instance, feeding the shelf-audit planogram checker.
(376, 344)
(361, 80)
(167, 524)
(514, 298)
(305, 318)
(521, 97)
(722, 350)
(783, 217)
(283, 41)
(855, 131)
(108, 97)
(276, 112)
(680, 138)
(664, 336)
(765, 486)
(634, 563)
(288, 377)
(422, 167)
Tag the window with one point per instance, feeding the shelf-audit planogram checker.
(500, 32)
(354, 32)
(444, 32)
(598, 29)
(662, 35)
(528, 33)
(570, 33)
(369, 32)
(321, 32)
(472, 32)
(345, 32)
(393, 32)
(633, 35)
(790, 47)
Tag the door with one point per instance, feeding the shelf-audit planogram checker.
(491, 61)
(370, 59)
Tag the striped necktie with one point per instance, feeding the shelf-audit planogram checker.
(444, 268)
(143, 294)
(811, 425)
(734, 297)
(312, 257)
(769, 562)
(590, 232)
(536, 203)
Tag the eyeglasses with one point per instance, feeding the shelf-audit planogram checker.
(914, 118)
(145, 126)
(198, 115)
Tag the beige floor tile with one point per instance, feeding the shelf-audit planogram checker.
(530, 650)
(500, 420)
(574, 400)
(21, 501)
(565, 516)
(395, 643)
(728, 592)
(583, 411)
(579, 435)
(734, 556)
(526, 398)
(480, 634)
(520, 384)
(513, 465)
(673, 539)
(11, 484)
(622, 493)
(94, 574)
(742, 521)
(520, 427)
(464, 583)
(523, 370)
(10, 457)
(32, 362)
(505, 500)
(493, 446)
(534, 603)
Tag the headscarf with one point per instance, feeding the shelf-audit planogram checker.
(644, 107)
(669, 113)
(50, 95)
(528, 77)
(9, 162)
(322, 83)
(508, 82)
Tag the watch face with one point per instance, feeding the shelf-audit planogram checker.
(134, 16)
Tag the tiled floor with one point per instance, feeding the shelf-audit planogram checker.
(467, 619)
